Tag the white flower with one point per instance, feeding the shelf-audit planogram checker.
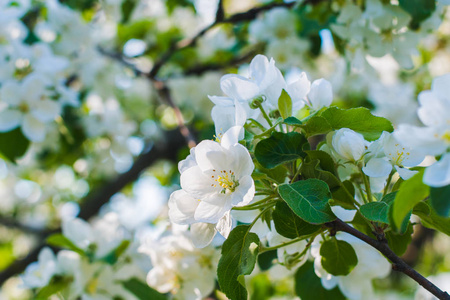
(29, 105)
(434, 138)
(393, 154)
(214, 178)
(358, 283)
(180, 268)
(349, 144)
(38, 274)
(101, 238)
(264, 80)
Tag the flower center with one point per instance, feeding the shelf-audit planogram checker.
(227, 180)
(446, 136)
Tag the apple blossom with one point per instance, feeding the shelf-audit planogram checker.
(214, 178)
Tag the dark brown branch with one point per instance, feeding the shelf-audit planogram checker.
(220, 14)
(397, 263)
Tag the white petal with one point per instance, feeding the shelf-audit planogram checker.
(231, 136)
(210, 212)
(9, 120)
(188, 162)
(298, 91)
(321, 94)
(182, 207)
(46, 110)
(78, 231)
(438, 174)
(377, 167)
(245, 192)
(345, 215)
(422, 139)
(224, 225)
(221, 101)
(405, 173)
(33, 129)
(242, 163)
(196, 183)
(202, 234)
(10, 92)
(441, 86)
(239, 87)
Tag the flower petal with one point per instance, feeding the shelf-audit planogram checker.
(182, 207)
(438, 174)
(202, 234)
(33, 129)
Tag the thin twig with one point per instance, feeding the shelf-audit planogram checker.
(397, 263)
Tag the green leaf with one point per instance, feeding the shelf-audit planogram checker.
(280, 148)
(277, 174)
(309, 200)
(127, 8)
(55, 286)
(238, 258)
(411, 192)
(59, 240)
(429, 218)
(316, 125)
(285, 104)
(142, 291)
(309, 287)
(338, 257)
(112, 257)
(376, 211)
(418, 9)
(266, 259)
(440, 200)
(358, 119)
(13, 144)
(399, 242)
(288, 224)
(293, 121)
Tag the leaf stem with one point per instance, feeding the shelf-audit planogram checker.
(265, 115)
(265, 249)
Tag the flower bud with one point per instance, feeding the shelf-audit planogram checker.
(349, 144)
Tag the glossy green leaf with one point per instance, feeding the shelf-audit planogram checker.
(411, 192)
(239, 253)
(308, 199)
(142, 291)
(399, 242)
(293, 121)
(419, 10)
(288, 224)
(56, 285)
(280, 148)
(59, 240)
(378, 211)
(316, 125)
(358, 119)
(429, 218)
(112, 257)
(13, 144)
(309, 287)
(285, 104)
(440, 200)
(338, 257)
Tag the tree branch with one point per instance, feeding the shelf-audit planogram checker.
(397, 263)
(236, 18)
